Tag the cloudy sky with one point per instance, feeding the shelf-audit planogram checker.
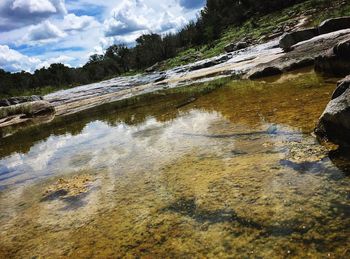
(36, 33)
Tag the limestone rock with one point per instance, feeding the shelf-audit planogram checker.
(336, 61)
(292, 38)
(342, 49)
(334, 124)
(342, 86)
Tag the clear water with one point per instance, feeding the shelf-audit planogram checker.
(232, 173)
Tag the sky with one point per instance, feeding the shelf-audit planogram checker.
(37, 33)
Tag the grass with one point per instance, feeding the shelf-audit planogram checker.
(316, 10)
(36, 91)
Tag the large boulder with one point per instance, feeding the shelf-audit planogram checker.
(342, 49)
(334, 24)
(336, 61)
(292, 38)
(342, 86)
(334, 124)
(330, 25)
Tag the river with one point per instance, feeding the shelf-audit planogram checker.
(221, 172)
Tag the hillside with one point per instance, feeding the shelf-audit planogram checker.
(261, 29)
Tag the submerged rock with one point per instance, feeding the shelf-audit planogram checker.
(292, 38)
(305, 152)
(334, 124)
(68, 187)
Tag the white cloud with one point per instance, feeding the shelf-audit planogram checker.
(13, 61)
(72, 22)
(132, 16)
(61, 59)
(34, 6)
(15, 14)
(126, 20)
(47, 30)
(44, 31)
(60, 6)
(168, 22)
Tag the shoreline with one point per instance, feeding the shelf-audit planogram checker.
(254, 62)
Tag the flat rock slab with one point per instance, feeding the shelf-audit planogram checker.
(303, 53)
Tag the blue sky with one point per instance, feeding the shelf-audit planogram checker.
(36, 33)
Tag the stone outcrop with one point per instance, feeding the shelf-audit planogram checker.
(292, 38)
(304, 54)
(334, 124)
(288, 40)
(335, 61)
(342, 49)
(342, 86)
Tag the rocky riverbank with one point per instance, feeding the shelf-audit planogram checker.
(251, 62)
(18, 110)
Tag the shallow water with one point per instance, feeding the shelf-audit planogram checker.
(233, 172)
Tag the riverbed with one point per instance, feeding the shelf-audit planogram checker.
(231, 171)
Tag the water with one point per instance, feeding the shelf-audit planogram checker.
(196, 172)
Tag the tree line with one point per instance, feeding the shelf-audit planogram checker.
(150, 48)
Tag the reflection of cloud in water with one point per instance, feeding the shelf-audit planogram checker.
(138, 146)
